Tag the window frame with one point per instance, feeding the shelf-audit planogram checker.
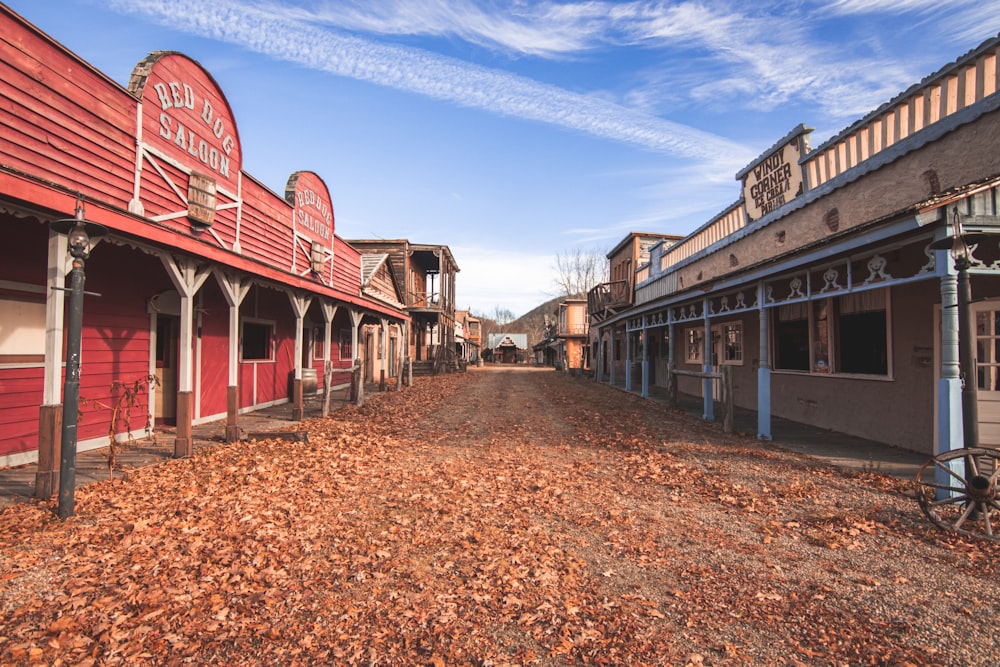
(825, 328)
(694, 345)
(344, 342)
(271, 340)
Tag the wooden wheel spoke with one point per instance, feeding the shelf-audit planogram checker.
(953, 500)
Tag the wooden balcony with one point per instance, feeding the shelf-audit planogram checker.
(608, 299)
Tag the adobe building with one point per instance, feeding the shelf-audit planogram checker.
(232, 296)
(828, 285)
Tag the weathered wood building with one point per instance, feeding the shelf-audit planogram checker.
(426, 274)
(231, 295)
(820, 285)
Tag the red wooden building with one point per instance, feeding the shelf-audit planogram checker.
(229, 293)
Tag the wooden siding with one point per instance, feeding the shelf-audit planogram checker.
(347, 268)
(62, 121)
(115, 344)
(933, 100)
(266, 228)
(20, 396)
(213, 336)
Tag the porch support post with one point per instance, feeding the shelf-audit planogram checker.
(628, 359)
(599, 371)
(763, 369)
(329, 311)
(300, 306)
(611, 354)
(235, 290)
(671, 361)
(708, 399)
(187, 277)
(50, 412)
(645, 361)
(384, 357)
(950, 434)
(357, 374)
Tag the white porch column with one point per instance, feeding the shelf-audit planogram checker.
(300, 306)
(234, 289)
(383, 345)
(950, 432)
(50, 412)
(329, 311)
(187, 277)
(357, 372)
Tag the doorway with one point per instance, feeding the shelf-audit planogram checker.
(166, 348)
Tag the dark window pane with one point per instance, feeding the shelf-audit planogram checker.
(862, 343)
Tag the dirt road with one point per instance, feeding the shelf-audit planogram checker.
(496, 517)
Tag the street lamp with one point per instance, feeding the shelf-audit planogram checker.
(79, 233)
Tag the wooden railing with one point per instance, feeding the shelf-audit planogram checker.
(607, 297)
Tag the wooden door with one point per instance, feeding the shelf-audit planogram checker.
(987, 316)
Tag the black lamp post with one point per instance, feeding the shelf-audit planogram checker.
(80, 232)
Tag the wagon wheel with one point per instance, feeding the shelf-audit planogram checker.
(957, 491)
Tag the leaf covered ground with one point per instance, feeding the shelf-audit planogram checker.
(495, 518)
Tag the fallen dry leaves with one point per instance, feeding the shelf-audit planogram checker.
(495, 518)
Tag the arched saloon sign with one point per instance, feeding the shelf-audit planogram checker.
(190, 157)
(313, 224)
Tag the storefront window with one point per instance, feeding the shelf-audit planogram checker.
(345, 345)
(257, 341)
(695, 346)
(319, 343)
(732, 339)
(845, 334)
(791, 337)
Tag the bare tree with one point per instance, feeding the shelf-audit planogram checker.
(580, 270)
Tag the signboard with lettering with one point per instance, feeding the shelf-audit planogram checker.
(187, 118)
(776, 177)
(313, 219)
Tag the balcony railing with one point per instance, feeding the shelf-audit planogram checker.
(425, 299)
(607, 299)
(575, 329)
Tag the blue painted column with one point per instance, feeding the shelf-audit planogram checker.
(611, 354)
(628, 359)
(599, 371)
(671, 352)
(645, 363)
(949, 408)
(763, 370)
(706, 383)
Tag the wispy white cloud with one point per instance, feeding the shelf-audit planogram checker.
(271, 32)
(536, 28)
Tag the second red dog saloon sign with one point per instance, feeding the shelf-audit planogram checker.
(313, 216)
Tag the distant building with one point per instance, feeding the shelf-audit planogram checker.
(426, 274)
(468, 336)
(509, 348)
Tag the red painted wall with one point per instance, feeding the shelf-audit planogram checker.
(62, 120)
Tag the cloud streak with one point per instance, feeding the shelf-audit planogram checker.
(271, 33)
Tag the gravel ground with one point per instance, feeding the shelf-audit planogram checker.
(496, 517)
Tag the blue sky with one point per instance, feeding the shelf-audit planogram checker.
(513, 131)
